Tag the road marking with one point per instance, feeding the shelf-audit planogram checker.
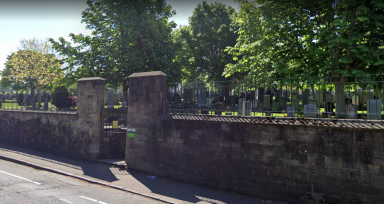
(94, 200)
(20, 177)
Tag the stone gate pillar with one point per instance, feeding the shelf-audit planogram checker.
(90, 104)
(145, 102)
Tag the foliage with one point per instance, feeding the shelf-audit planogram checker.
(201, 45)
(5, 82)
(34, 63)
(60, 97)
(309, 38)
(128, 37)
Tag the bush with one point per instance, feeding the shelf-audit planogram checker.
(20, 99)
(60, 97)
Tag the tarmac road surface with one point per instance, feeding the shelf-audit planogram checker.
(22, 184)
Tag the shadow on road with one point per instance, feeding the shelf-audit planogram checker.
(101, 172)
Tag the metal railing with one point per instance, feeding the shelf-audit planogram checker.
(29, 101)
(351, 97)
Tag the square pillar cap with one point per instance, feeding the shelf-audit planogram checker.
(91, 79)
(144, 74)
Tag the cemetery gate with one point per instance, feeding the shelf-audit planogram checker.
(114, 133)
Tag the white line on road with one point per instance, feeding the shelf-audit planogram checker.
(94, 200)
(20, 177)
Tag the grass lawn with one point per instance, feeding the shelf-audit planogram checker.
(12, 104)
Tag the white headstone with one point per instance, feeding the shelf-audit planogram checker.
(291, 111)
(374, 109)
(310, 111)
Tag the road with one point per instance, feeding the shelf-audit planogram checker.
(22, 184)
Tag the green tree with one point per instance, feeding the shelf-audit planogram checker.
(210, 31)
(5, 82)
(127, 37)
(310, 38)
(35, 64)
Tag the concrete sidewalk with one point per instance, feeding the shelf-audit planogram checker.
(112, 175)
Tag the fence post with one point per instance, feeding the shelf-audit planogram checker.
(90, 103)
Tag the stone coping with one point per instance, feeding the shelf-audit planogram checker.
(91, 79)
(40, 111)
(144, 74)
(311, 122)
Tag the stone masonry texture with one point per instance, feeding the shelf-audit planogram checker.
(75, 135)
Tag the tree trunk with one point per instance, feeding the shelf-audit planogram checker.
(125, 90)
(340, 100)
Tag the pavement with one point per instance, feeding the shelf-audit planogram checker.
(112, 173)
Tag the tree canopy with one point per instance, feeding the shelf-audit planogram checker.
(33, 64)
(309, 38)
(127, 37)
(202, 43)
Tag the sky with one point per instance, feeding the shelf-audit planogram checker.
(41, 19)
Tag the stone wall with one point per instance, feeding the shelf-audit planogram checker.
(294, 163)
(269, 161)
(74, 135)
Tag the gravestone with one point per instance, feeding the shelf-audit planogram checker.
(267, 102)
(374, 109)
(240, 111)
(176, 99)
(243, 95)
(260, 94)
(291, 111)
(252, 96)
(209, 102)
(246, 108)
(1, 97)
(232, 100)
(351, 111)
(110, 99)
(306, 94)
(310, 111)
(116, 99)
(188, 95)
(45, 107)
(294, 101)
(202, 97)
(319, 97)
(124, 104)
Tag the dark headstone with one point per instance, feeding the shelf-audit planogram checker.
(306, 94)
(45, 103)
(188, 95)
(260, 94)
(176, 98)
(110, 99)
(252, 96)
